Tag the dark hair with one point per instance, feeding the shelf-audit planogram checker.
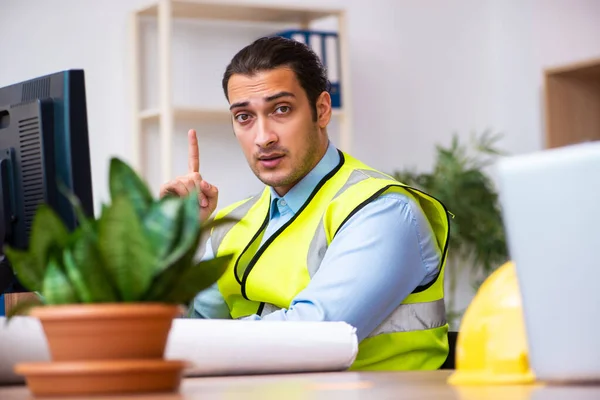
(268, 53)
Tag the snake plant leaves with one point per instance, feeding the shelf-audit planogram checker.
(140, 249)
(189, 231)
(197, 278)
(85, 269)
(48, 231)
(126, 252)
(57, 288)
(169, 280)
(182, 255)
(123, 181)
(162, 227)
(26, 268)
(164, 281)
(86, 223)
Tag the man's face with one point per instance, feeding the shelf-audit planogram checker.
(273, 121)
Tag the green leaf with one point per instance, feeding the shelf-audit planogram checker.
(26, 268)
(123, 181)
(164, 283)
(162, 227)
(189, 232)
(84, 267)
(125, 250)
(182, 255)
(82, 219)
(48, 231)
(197, 278)
(57, 288)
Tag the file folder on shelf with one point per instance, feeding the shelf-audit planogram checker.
(326, 46)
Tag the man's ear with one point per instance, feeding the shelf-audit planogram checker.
(323, 107)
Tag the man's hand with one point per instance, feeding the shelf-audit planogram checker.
(208, 194)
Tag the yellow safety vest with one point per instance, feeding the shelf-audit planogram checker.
(260, 280)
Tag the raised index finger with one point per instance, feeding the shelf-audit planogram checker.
(193, 152)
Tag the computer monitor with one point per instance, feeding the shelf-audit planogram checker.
(43, 142)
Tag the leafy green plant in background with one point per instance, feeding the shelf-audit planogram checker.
(139, 250)
(459, 180)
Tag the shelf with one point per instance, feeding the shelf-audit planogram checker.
(242, 12)
(573, 103)
(165, 113)
(212, 114)
(200, 113)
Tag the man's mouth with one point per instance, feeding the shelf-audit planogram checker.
(270, 160)
(270, 157)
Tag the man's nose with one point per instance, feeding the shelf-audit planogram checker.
(265, 136)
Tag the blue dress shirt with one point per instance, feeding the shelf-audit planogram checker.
(377, 258)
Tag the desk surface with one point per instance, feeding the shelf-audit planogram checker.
(348, 385)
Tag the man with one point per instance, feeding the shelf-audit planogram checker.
(329, 238)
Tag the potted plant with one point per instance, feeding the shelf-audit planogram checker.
(477, 237)
(109, 289)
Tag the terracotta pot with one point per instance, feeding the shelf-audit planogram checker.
(89, 332)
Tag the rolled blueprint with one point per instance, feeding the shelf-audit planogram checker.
(231, 347)
(213, 347)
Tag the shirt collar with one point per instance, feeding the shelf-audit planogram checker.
(298, 194)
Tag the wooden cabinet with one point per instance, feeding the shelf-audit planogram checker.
(573, 103)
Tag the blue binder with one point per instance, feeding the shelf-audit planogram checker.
(326, 45)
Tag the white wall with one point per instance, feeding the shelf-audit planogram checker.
(526, 37)
(421, 70)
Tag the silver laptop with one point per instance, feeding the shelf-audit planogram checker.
(551, 211)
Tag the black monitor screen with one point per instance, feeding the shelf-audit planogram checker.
(43, 143)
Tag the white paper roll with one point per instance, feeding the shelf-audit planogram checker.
(229, 347)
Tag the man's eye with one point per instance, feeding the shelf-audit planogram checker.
(242, 117)
(282, 109)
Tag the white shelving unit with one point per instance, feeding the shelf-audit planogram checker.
(166, 113)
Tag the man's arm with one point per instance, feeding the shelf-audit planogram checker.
(209, 303)
(375, 261)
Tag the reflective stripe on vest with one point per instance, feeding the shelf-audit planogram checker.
(406, 318)
(238, 213)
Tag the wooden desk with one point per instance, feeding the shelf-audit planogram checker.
(348, 385)
(11, 299)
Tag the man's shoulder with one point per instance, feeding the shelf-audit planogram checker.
(358, 166)
(242, 205)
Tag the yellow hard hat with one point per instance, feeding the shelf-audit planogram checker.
(491, 347)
